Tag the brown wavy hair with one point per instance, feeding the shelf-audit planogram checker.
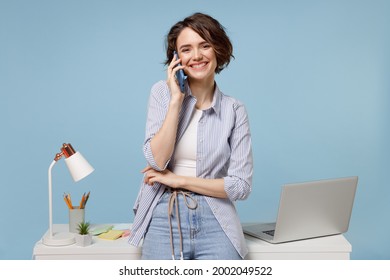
(210, 30)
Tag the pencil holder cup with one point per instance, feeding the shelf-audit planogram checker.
(76, 216)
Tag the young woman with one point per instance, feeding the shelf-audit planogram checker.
(198, 149)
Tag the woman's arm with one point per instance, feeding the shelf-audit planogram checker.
(209, 187)
(162, 143)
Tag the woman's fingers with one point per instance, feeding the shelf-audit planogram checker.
(146, 169)
(171, 75)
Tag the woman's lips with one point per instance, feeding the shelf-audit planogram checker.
(198, 66)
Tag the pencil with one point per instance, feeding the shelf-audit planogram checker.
(67, 201)
(86, 198)
(81, 206)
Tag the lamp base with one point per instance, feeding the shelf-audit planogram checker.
(59, 239)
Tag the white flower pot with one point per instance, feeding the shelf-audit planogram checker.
(83, 240)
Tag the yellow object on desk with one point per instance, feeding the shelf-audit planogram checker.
(100, 230)
(111, 234)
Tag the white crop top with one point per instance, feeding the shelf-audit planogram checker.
(185, 155)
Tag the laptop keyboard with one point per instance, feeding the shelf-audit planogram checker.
(270, 232)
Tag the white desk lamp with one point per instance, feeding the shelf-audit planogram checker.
(78, 168)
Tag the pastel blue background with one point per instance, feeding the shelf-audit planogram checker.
(314, 76)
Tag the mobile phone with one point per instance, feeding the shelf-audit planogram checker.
(181, 77)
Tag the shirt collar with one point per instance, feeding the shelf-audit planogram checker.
(217, 97)
(216, 104)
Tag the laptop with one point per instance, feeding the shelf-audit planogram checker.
(309, 210)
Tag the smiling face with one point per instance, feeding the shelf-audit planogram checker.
(196, 55)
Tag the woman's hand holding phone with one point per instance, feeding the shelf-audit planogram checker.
(180, 76)
(176, 76)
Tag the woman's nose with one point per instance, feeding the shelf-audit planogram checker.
(197, 54)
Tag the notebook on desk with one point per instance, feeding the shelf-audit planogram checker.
(308, 210)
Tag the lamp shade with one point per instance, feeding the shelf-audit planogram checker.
(78, 166)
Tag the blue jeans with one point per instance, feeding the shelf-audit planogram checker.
(203, 237)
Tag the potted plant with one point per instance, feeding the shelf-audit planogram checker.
(83, 237)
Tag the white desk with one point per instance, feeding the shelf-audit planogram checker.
(329, 248)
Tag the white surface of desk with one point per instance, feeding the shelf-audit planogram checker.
(326, 248)
(118, 249)
(334, 247)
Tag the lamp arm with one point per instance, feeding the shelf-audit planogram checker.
(50, 200)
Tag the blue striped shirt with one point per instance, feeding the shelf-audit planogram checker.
(224, 150)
